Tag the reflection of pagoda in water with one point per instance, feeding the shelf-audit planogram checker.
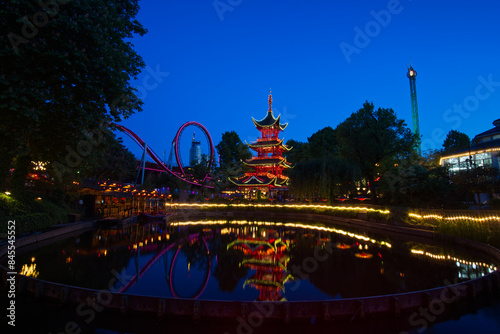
(268, 258)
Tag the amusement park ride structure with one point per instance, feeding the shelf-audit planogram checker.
(412, 75)
(181, 172)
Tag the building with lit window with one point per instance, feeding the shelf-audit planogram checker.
(195, 152)
(484, 152)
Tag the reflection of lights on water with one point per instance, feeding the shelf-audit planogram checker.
(29, 270)
(363, 255)
(290, 225)
(458, 261)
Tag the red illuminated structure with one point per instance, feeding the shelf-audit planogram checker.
(268, 260)
(267, 174)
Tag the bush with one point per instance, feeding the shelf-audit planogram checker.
(398, 215)
(30, 214)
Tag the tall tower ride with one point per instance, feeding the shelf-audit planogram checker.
(412, 75)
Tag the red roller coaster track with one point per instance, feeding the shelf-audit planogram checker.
(160, 163)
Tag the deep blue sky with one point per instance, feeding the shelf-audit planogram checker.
(221, 65)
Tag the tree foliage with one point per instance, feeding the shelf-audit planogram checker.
(455, 141)
(323, 143)
(113, 161)
(324, 178)
(65, 68)
(417, 185)
(232, 150)
(477, 180)
(370, 136)
(299, 151)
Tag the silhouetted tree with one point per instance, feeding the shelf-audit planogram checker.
(232, 151)
(323, 143)
(299, 152)
(369, 136)
(455, 141)
(63, 79)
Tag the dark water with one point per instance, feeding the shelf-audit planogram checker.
(243, 260)
(251, 260)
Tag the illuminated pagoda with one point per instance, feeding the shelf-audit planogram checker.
(267, 174)
(268, 260)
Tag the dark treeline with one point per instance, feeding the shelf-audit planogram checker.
(372, 154)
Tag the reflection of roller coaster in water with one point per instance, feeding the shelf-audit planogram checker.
(170, 277)
(181, 173)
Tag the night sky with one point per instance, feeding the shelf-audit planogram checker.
(322, 60)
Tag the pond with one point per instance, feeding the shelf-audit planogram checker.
(248, 260)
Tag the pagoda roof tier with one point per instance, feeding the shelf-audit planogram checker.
(267, 162)
(269, 121)
(268, 143)
(261, 180)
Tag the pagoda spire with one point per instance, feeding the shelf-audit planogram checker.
(270, 100)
